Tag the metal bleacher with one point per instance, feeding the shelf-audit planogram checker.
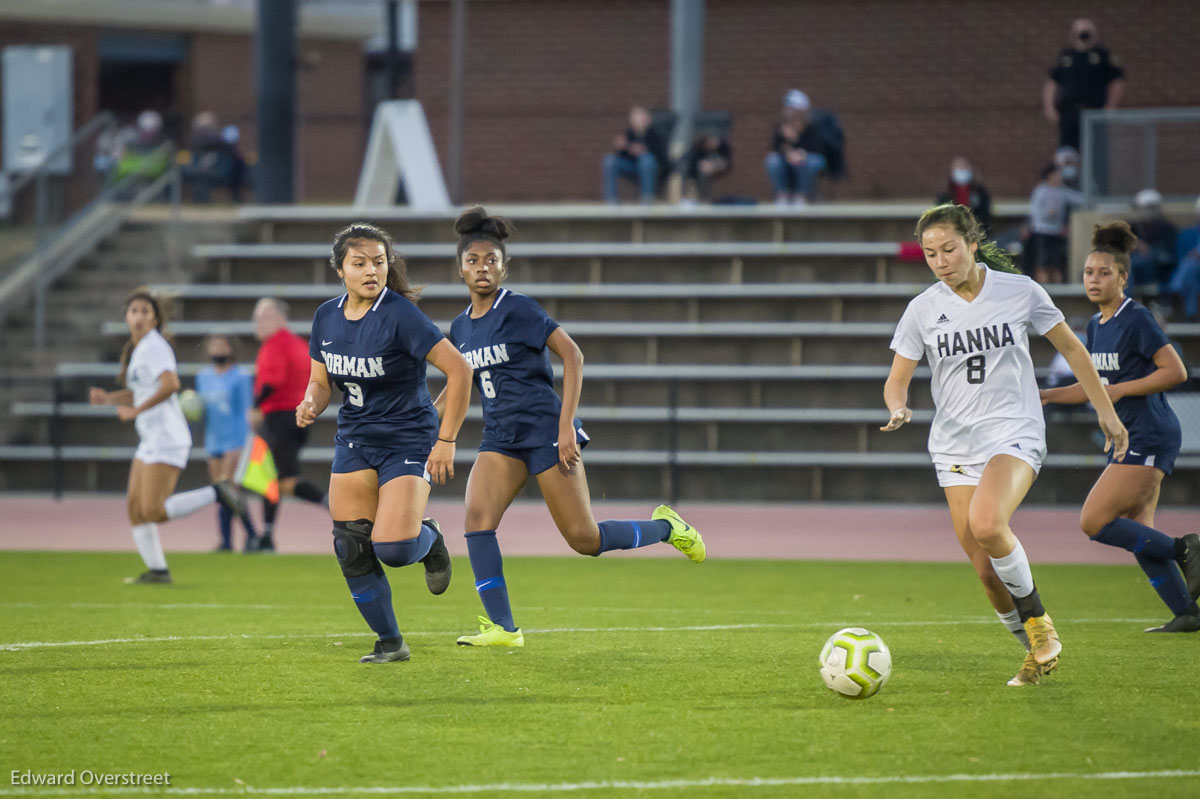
(732, 353)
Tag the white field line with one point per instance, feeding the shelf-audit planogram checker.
(613, 785)
(17, 646)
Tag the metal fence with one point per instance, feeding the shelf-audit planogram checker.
(1127, 150)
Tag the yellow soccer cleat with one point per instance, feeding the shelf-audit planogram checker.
(492, 635)
(684, 537)
(1031, 672)
(1043, 639)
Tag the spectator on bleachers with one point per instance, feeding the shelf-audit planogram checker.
(1049, 208)
(1185, 281)
(1153, 258)
(1066, 158)
(807, 143)
(142, 156)
(1085, 75)
(965, 189)
(709, 157)
(639, 155)
(214, 160)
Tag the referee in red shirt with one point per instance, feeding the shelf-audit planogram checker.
(282, 371)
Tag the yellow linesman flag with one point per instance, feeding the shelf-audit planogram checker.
(256, 470)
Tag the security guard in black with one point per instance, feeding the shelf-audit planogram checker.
(1082, 74)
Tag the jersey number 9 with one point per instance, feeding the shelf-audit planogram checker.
(485, 385)
(354, 394)
(976, 369)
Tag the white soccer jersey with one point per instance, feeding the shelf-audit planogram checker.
(984, 388)
(162, 425)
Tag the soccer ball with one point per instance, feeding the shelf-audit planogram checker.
(192, 405)
(855, 663)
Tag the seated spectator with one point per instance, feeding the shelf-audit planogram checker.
(1049, 207)
(639, 155)
(1153, 258)
(1185, 281)
(807, 143)
(142, 157)
(709, 157)
(214, 159)
(965, 189)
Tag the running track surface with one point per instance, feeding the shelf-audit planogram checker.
(97, 522)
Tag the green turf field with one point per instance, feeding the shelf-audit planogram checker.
(639, 676)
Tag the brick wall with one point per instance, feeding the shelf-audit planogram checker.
(915, 83)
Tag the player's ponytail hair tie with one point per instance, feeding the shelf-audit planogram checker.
(475, 224)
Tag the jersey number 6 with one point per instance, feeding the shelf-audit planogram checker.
(976, 369)
(485, 385)
(354, 394)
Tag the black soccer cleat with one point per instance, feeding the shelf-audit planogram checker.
(1190, 565)
(1183, 623)
(437, 562)
(229, 496)
(265, 543)
(389, 651)
(153, 576)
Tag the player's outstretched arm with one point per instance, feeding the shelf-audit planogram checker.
(1064, 395)
(1169, 372)
(895, 392)
(565, 348)
(1066, 342)
(316, 396)
(455, 399)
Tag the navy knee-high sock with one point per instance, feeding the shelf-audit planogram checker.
(225, 524)
(373, 595)
(1137, 538)
(488, 567)
(1168, 582)
(621, 534)
(404, 553)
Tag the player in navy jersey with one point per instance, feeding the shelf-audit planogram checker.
(373, 343)
(1137, 364)
(527, 429)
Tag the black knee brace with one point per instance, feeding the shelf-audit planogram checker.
(352, 545)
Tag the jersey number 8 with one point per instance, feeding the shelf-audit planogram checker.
(976, 369)
(485, 385)
(354, 394)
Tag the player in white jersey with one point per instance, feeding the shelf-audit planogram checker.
(988, 436)
(149, 400)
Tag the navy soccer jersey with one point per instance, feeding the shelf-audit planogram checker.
(378, 362)
(1123, 349)
(506, 348)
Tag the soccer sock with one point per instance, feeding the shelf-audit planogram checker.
(270, 511)
(404, 553)
(225, 523)
(1137, 538)
(1013, 570)
(186, 502)
(617, 534)
(1168, 582)
(248, 522)
(309, 492)
(373, 595)
(145, 538)
(1012, 621)
(488, 567)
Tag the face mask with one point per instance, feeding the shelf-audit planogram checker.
(1084, 36)
(221, 360)
(1070, 172)
(961, 176)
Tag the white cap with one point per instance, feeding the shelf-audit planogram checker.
(796, 99)
(1147, 198)
(149, 122)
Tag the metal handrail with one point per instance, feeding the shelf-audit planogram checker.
(101, 120)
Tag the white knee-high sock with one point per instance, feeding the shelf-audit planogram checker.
(1012, 621)
(186, 502)
(145, 537)
(1013, 570)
